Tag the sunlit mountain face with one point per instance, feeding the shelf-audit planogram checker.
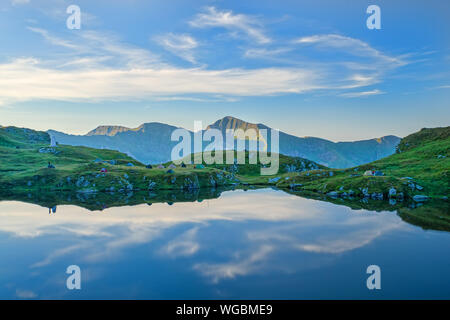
(152, 143)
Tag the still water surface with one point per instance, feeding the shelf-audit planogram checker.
(259, 244)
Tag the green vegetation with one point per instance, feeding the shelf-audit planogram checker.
(98, 201)
(25, 156)
(420, 167)
(432, 216)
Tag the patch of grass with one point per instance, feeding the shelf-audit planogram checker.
(423, 168)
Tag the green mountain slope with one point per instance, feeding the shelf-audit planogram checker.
(25, 156)
(421, 166)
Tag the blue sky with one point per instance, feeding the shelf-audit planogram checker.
(310, 68)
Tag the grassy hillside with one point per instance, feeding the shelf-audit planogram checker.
(13, 137)
(423, 137)
(420, 167)
(25, 155)
(286, 163)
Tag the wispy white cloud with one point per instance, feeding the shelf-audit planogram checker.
(183, 245)
(91, 46)
(100, 67)
(99, 44)
(230, 270)
(58, 254)
(241, 23)
(52, 39)
(349, 45)
(19, 2)
(181, 45)
(217, 98)
(28, 79)
(265, 53)
(362, 93)
(114, 232)
(25, 294)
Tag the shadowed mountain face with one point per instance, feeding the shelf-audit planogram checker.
(151, 143)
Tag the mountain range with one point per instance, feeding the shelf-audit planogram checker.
(151, 143)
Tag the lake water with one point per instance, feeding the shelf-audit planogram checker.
(256, 244)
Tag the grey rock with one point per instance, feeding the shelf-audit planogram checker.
(88, 190)
(365, 192)
(151, 185)
(377, 196)
(420, 198)
(80, 181)
(392, 192)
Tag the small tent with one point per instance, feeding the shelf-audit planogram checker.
(169, 171)
(149, 166)
(378, 173)
(160, 166)
(368, 173)
(103, 170)
(172, 166)
(183, 165)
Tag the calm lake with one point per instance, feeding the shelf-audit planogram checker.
(255, 244)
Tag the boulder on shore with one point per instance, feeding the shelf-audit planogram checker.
(420, 198)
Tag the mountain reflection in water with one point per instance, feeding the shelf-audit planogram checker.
(231, 244)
